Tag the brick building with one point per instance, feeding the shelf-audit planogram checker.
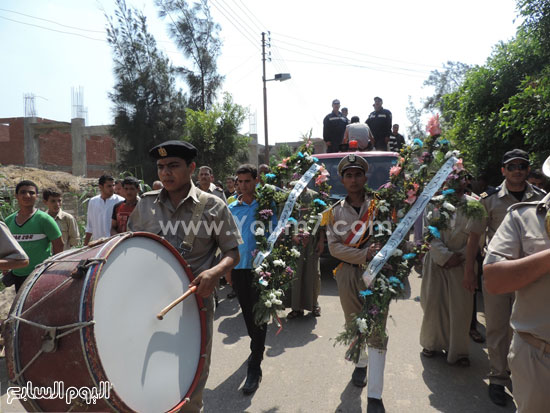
(62, 146)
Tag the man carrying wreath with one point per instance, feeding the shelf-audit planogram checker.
(349, 241)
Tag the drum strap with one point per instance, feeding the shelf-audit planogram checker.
(187, 244)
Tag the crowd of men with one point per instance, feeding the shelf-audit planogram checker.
(377, 133)
(512, 238)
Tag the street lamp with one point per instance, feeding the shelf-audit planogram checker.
(281, 77)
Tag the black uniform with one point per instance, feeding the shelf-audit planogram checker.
(334, 127)
(380, 124)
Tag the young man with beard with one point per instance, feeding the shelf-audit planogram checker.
(498, 307)
(178, 202)
(343, 217)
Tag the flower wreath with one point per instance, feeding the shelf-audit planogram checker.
(275, 274)
(417, 164)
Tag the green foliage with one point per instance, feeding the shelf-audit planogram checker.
(197, 35)
(148, 108)
(502, 105)
(215, 134)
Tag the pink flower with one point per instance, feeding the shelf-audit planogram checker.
(322, 177)
(459, 166)
(394, 170)
(433, 128)
(283, 163)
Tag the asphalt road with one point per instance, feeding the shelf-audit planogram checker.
(304, 372)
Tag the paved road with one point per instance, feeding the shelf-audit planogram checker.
(304, 372)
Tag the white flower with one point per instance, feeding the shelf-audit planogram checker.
(277, 302)
(429, 216)
(400, 213)
(448, 206)
(294, 252)
(279, 263)
(258, 270)
(278, 293)
(454, 153)
(383, 208)
(445, 214)
(263, 282)
(361, 325)
(272, 296)
(259, 232)
(438, 198)
(398, 252)
(268, 304)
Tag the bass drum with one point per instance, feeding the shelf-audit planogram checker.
(86, 319)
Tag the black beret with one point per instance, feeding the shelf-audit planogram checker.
(178, 149)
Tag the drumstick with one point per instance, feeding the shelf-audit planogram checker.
(190, 291)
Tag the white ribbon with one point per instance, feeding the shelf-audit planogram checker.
(406, 223)
(287, 211)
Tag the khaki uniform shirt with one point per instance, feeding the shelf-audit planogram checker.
(522, 233)
(496, 204)
(69, 229)
(215, 229)
(338, 230)
(214, 190)
(9, 247)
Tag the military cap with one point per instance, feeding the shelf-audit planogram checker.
(515, 154)
(352, 161)
(179, 149)
(546, 167)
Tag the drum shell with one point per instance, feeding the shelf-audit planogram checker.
(75, 361)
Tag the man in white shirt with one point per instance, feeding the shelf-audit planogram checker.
(100, 210)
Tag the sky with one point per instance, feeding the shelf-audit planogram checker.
(349, 50)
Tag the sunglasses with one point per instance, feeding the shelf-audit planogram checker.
(519, 166)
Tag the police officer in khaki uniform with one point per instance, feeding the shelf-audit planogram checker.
(518, 260)
(174, 207)
(206, 175)
(343, 215)
(498, 307)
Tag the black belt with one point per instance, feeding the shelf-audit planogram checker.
(353, 265)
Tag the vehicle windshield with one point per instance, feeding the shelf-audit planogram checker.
(378, 174)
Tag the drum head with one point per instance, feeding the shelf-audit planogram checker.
(150, 363)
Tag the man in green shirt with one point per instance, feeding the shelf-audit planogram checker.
(35, 230)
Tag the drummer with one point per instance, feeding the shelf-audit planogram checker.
(196, 223)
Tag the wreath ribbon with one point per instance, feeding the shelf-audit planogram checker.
(407, 222)
(287, 212)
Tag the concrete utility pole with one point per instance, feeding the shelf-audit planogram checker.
(264, 80)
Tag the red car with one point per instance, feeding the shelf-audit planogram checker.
(380, 163)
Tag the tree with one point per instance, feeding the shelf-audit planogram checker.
(444, 82)
(215, 134)
(197, 35)
(147, 106)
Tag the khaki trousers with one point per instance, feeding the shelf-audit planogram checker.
(498, 309)
(350, 282)
(530, 376)
(195, 404)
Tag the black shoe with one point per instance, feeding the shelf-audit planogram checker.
(359, 377)
(497, 394)
(375, 405)
(253, 379)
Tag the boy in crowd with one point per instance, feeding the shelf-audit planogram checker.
(66, 222)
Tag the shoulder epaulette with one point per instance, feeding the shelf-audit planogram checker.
(490, 192)
(152, 193)
(522, 204)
